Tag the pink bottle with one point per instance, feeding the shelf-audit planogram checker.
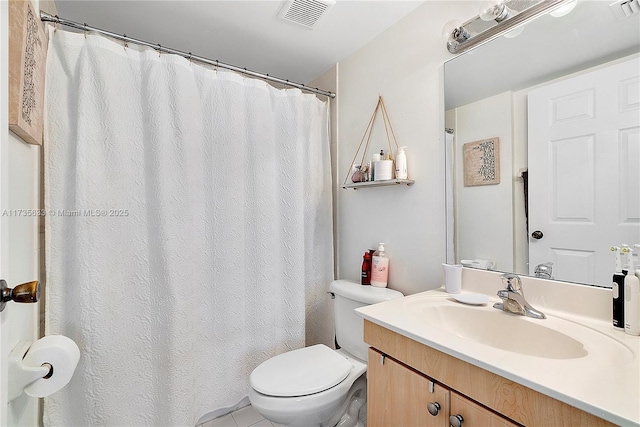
(380, 268)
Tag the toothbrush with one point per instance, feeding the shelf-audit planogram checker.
(624, 250)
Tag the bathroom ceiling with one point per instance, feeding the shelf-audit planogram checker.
(245, 33)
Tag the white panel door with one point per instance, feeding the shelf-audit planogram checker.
(584, 169)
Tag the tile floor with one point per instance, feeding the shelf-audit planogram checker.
(249, 417)
(243, 417)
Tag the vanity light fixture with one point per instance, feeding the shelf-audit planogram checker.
(511, 34)
(496, 19)
(495, 11)
(564, 10)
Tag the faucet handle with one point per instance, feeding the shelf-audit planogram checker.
(512, 282)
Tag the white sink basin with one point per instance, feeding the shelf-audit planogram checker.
(571, 356)
(506, 331)
(551, 338)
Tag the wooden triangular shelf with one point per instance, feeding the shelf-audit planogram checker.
(380, 108)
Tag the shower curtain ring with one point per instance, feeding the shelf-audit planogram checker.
(125, 45)
(85, 30)
(159, 49)
(189, 58)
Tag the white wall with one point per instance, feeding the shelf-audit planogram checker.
(404, 65)
(520, 162)
(485, 230)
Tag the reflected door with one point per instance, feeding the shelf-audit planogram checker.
(584, 169)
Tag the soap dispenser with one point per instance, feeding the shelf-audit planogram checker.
(401, 164)
(380, 268)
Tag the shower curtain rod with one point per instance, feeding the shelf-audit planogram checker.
(45, 17)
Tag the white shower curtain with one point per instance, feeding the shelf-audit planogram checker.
(188, 224)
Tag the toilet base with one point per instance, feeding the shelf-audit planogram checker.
(343, 413)
(352, 417)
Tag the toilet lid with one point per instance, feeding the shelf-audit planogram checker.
(300, 372)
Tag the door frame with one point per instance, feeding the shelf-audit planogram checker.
(4, 137)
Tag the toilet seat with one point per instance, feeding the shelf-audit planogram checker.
(300, 372)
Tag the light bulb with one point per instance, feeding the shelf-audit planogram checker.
(449, 28)
(487, 10)
(492, 11)
(514, 33)
(564, 9)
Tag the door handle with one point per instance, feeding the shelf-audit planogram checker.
(28, 292)
(537, 234)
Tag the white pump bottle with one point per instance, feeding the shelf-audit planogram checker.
(380, 268)
(401, 164)
(631, 297)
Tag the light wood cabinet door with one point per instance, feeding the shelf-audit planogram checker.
(398, 396)
(474, 415)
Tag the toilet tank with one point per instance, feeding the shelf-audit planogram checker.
(350, 326)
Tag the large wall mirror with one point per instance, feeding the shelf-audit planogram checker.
(555, 103)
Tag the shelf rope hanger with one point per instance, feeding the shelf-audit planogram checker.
(45, 17)
(380, 107)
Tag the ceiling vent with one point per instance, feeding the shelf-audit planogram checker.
(624, 9)
(306, 13)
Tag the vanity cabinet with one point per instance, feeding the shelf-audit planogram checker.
(399, 390)
(400, 396)
(474, 414)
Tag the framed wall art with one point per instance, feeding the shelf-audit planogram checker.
(27, 63)
(481, 161)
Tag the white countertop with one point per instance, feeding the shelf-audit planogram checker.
(594, 383)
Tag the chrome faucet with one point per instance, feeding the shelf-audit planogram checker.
(544, 271)
(513, 298)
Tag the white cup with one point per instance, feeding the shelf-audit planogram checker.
(452, 278)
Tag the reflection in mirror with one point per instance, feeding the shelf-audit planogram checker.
(568, 167)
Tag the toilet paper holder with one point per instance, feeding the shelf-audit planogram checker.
(31, 366)
(20, 375)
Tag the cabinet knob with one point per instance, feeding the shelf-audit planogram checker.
(433, 408)
(27, 292)
(456, 420)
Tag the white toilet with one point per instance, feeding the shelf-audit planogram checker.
(318, 386)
